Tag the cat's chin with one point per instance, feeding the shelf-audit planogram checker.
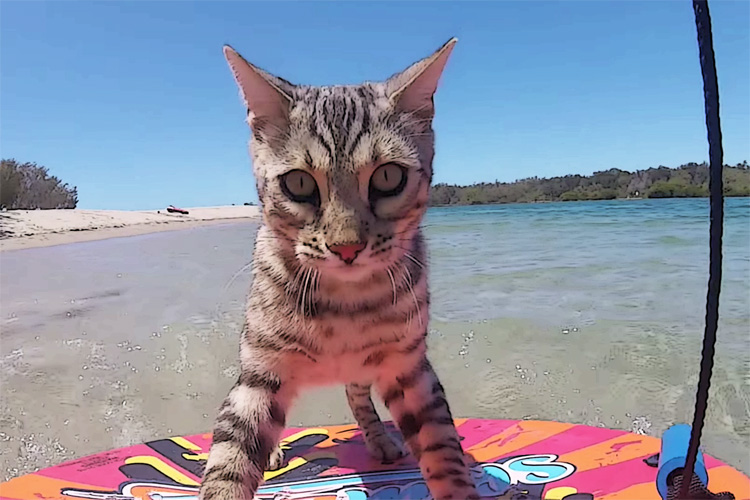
(349, 273)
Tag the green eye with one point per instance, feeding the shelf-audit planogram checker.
(300, 186)
(388, 180)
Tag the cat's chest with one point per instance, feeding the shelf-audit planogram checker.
(327, 369)
(356, 337)
(347, 352)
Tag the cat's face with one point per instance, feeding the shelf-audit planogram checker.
(343, 172)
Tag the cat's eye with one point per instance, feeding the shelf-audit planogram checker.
(387, 180)
(300, 186)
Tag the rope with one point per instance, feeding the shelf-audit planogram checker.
(713, 126)
(696, 491)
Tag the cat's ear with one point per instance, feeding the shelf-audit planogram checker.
(266, 97)
(413, 89)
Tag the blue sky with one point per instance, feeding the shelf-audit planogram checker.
(133, 102)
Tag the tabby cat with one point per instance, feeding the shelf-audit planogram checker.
(339, 293)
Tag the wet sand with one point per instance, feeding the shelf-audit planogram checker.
(38, 228)
(115, 342)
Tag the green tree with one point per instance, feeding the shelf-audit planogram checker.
(29, 186)
(689, 180)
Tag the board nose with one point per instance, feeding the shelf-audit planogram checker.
(347, 252)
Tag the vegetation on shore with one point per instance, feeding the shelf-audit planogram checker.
(29, 186)
(685, 181)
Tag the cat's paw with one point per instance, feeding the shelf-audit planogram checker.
(277, 459)
(384, 448)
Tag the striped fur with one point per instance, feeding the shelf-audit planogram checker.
(314, 318)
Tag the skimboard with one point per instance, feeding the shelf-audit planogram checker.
(512, 459)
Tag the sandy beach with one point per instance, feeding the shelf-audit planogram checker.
(35, 228)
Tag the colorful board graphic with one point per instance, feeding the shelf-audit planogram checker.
(513, 459)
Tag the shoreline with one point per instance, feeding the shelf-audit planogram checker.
(106, 233)
(24, 229)
(540, 202)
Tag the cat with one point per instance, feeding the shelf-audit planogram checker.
(339, 292)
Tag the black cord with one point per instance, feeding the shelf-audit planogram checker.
(716, 188)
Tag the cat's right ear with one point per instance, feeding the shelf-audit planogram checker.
(267, 98)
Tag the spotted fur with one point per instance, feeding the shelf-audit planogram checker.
(315, 317)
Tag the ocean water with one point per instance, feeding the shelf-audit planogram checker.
(580, 312)
(573, 264)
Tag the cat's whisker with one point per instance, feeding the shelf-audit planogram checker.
(275, 238)
(413, 120)
(299, 287)
(412, 113)
(407, 230)
(393, 284)
(313, 288)
(244, 268)
(414, 259)
(282, 237)
(411, 226)
(294, 286)
(410, 256)
(304, 288)
(294, 283)
(405, 249)
(308, 293)
(409, 318)
(410, 285)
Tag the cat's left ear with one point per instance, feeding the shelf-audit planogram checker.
(267, 97)
(413, 89)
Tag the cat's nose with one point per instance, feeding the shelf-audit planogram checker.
(347, 253)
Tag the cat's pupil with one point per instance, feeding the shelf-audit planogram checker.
(299, 186)
(388, 180)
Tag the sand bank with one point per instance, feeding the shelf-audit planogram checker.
(34, 228)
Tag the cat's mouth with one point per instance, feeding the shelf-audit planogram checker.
(352, 271)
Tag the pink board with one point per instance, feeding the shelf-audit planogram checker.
(541, 460)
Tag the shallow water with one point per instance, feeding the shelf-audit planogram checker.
(580, 312)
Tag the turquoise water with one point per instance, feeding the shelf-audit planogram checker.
(573, 264)
(578, 312)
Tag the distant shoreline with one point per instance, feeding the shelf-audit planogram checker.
(686, 181)
(21, 229)
(535, 202)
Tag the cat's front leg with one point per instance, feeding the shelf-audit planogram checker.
(417, 402)
(378, 441)
(247, 430)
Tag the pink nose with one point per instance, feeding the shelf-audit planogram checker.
(347, 253)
